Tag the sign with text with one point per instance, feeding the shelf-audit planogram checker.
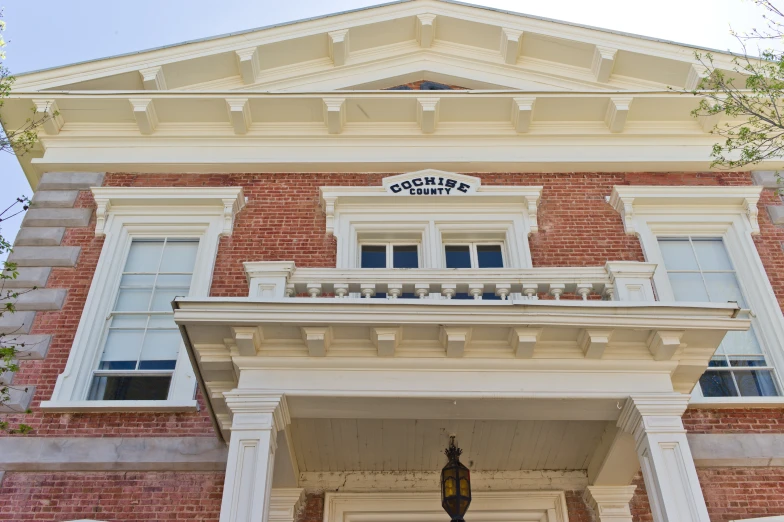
(430, 185)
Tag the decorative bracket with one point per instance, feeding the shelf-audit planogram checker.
(426, 29)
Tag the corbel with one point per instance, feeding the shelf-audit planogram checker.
(425, 29)
(338, 46)
(427, 114)
(454, 340)
(248, 64)
(511, 44)
(239, 114)
(522, 113)
(594, 342)
(523, 341)
(53, 121)
(603, 63)
(153, 78)
(617, 113)
(335, 114)
(144, 112)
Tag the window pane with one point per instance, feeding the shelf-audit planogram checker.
(123, 345)
(723, 287)
(718, 384)
(179, 256)
(489, 256)
(756, 383)
(711, 254)
(133, 300)
(130, 388)
(677, 254)
(458, 256)
(374, 256)
(688, 287)
(740, 343)
(161, 301)
(129, 321)
(405, 256)
(161, 345)
(144, 256)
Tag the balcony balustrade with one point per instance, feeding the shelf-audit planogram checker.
(616, 281)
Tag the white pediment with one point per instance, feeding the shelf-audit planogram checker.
(374, 47)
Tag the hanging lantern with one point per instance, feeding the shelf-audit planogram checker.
(455, 484)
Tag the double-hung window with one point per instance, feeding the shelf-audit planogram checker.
(699, 269)
(160, 243)
(141, 341)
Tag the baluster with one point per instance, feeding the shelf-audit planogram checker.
(448, 290)
(476, 290)
(609, 290)
(341, 289)
(557, 289)
(394, 290)
(584, 289)
(290, 290)
(502, 290)
(422, 290)
(314, 289)
(530, 290)
(368, 290)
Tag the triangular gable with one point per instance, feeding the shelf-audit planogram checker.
(403, 42)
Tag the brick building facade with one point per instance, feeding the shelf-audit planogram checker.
(245, 310)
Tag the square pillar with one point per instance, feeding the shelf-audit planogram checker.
(256, 420)
(667, 465)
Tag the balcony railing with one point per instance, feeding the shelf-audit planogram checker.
(625, 281)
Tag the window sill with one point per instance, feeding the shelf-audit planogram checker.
(121, 406)
(736, 402)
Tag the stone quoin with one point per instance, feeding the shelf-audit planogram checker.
(273, 277)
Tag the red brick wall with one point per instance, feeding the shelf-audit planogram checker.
(730, 494)
(578, 509)
(111, 496)
(282, 221)
(735, 420)
(313, 510)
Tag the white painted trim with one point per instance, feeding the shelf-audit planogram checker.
(544, 506)
(777, 518)
(729, 213)
(125, 214)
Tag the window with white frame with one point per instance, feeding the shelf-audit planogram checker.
(141, 343)
(159, 243)
(700, 238)
(700, 269)
(364, 217)
(389, 255)
(473, 255)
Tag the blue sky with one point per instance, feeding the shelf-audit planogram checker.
(48, 33)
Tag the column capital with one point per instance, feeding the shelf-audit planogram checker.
(610, 503)
(284, 504)
(653, 413)
(256, 410)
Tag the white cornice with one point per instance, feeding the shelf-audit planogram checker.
(152, 200)
(401, 11)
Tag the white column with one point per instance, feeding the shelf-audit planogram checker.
(668, 468)
(257, 418)
(610, 503)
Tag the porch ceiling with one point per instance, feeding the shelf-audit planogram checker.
(332, 445)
